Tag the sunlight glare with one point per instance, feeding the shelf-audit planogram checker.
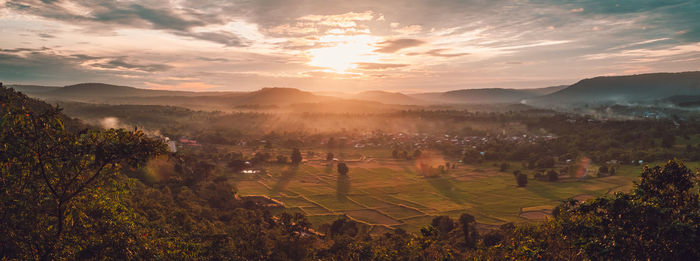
(344, 52)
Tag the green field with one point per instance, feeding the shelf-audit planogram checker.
(392, 193)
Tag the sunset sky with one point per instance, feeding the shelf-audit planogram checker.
(349, 46)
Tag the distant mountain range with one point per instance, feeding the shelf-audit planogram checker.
(630, 89)
(389, 98)
(673, 88)
(486, 96)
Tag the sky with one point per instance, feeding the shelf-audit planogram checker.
(343, 46)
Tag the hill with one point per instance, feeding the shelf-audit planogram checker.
(487, 95)
(101, 90)
(389, 98)
(114, 94)
(279, 96)
(640, 88)
(33, 88)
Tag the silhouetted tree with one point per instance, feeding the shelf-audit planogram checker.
(296, 156)
(521, 179)
(552, 175)
(516, 173)
(504, 166)
(468, 223)
(443, 224)
(417, 153)
(343, 168)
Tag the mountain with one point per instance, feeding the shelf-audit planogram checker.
(114, 94)
(279, 96)
(487, 95)
(33, 88)
(546, 90)
(388, 98)
(101, 90)
(641, 88)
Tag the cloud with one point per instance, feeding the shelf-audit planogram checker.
(439, 53)
(652, 54)
(681, 15)
(379, 66)
(46, 65)
(110, 15)
(576, 10)
(341, 20)
(208, 59)
(222, 37)
(121, 64)
(392, 46)
(20, 50)
(300, 29)
(45, 35)
(411, 29)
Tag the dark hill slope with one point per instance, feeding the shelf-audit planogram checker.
(388, 98)
(624, 89)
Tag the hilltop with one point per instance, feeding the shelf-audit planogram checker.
(624, 89)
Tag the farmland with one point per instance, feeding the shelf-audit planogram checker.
(389, 193)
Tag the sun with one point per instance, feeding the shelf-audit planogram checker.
(344, 52)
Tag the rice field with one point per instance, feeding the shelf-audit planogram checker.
(393, 194)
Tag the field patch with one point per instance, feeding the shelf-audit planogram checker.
(370, 201)
(401, 212)
(372, 217)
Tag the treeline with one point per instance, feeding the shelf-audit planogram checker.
(624, 141)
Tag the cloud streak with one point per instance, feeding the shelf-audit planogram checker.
(392, 46)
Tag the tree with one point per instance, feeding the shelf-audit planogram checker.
(235, 165)
(417, 153)
(443, 224)
(331, 144)
(343, 168)
(546, 162)
(260, 158)
(468, 223)
(395, 153)
(521, 179)
(281, 159)
(603, 171)
(552, 176)
(504, 166)
(658, 220)
(329, 156)
(53, 181)
(296, 156)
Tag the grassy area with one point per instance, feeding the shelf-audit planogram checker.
(393, 193)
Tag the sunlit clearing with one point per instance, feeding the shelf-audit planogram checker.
(344, 52)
